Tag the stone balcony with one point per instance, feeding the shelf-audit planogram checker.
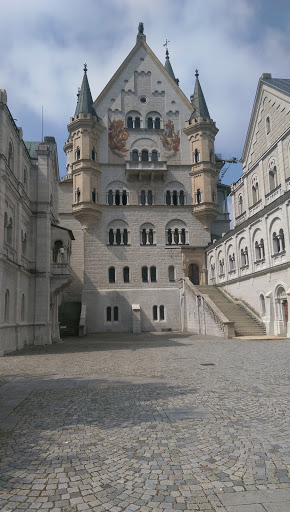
(145, 171)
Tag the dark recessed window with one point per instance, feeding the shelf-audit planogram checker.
(143, 99)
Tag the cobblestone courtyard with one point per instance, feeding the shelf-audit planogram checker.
(155, 422)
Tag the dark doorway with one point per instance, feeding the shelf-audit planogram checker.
(193, 273)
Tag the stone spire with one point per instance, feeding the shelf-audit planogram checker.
(168, 66)
(198, 102)
(85, 100)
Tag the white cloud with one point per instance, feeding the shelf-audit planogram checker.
(44, 46)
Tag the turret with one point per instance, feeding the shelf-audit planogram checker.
(82, 150)
(201, 131)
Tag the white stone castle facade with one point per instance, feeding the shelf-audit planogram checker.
(140, 194)
(135, 230)
(252, 261)
(34, 249)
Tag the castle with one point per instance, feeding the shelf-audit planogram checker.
(136, 236)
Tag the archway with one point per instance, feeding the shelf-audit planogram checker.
(193, 273)
(282, 309)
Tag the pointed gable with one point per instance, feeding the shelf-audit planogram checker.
(270, 118)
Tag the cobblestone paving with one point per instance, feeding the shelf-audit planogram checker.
(155, 422)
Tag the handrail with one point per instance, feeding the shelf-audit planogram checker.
(82, 322)
(222, 322)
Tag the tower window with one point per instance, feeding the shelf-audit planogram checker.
(135, 156)
(153, 274)
(126, 275)
(137, 122)
(93, 154)
(196, 156)
(78, 195)
(94, 195)
(268, 125)
(198, 196)
(78, 153)
(112, 275)
(154, 156)
(116, 314)
(144, 274)
(150, 123)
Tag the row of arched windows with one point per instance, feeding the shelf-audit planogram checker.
(144, 156)
(158, 313)
(278, 246)
(120, 236)
(121, 197)
(273, 183)
(112, 314)
(148, 274)
(152, 122)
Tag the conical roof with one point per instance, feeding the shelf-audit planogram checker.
(85, 100)
(168, 66)
(198, 102)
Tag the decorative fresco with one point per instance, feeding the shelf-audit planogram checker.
(170, 139)
(118, 137)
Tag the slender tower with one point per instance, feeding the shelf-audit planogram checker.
(201, 131)
(82, 148)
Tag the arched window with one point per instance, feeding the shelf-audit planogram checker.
(183, 236)
(137, 122)
(130, 122)
(262, 248)
(176, 236)
(78, 153)
(255, 192)
(154, 156)
(94, 195)
(125, 236)
(118, 236)
(116, 314)
(150, 123)
(143, 237)
(57, 246)
(240, 205)
(281, 240)
(78, 195)
(268, 125)
(93, 154)
(171, 273)
(262, 305)
(231, 263)
(174, 197)
(198, 196)
(196, 156)
(144, 274)
(111, 236)
(168, 198)
(144, 156)
(112, 275)
(181, 197)
(272, 176)
(126, 275)
(193, 273)
(257, 251)
(22, 308)
(161, 313)
(135, 155)
(153, 274)
(23, 243)
(109, 314)
(6, 306)
(155, 313)
(169, 236)
(110, 197)
(124, 197)
(117, 197)
(9, 231)
(276, 245)
(11, 156)
(143, 197)
(212, 267)
(150, 236)
(25, 178)
(157, 123)
(149, 198)
(5, 226)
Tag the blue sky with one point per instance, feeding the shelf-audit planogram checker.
(45, 44)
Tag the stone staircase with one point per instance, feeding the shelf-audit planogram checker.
(69, 318)
(245, 324)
